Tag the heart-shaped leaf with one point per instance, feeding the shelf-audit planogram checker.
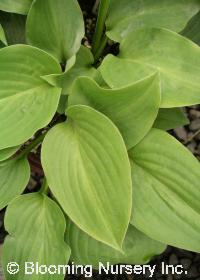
(86, 165)
(166, 191)
(119, 73)
(56, 27)
(133, 108)
(16, 6)
(128, 15)
(176, 58)
(41, 240)
(29, 103)
(170, 118)
(14, 178)
(137, 248)
(191, 30)
(6, 153)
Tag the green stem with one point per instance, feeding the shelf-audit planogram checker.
(32, 146)
(102, 14)
(100, 49)
(44, 188)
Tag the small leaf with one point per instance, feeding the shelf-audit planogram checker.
(42, 237)
(14, 27)
(170, 118)
(16, 6)
(2, 36)
(87, 168)
(176, 58)
(29, 103)
(119, 73)
(137, 248)
(133, 109)
(191, 30)
(166, 191)
(56, 27)
(14, 179)
(127, 15)
(6, 153)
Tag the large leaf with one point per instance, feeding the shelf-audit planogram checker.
(133, 108)
(15, 6)
(14, 178)
(191, 30)
(2, 36)
(177, 59)
(128, 15)
(118, 72)
(166, 191)
(28, 103)
(56, 27)
(14, 27)
(170, 118)
(6, 153)
(137, 248)
(36, 226)
(87, 169)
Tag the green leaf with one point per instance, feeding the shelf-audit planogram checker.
(42, 237)
(14, 178)
(133, 109)
(119, 73)
(29, 103)
(170, 118)
(137, 247)
(127, 15)
(166, 191)
(56, 27)
(191, 30)
(2, 36)
(177, 59)
(16, 6)
(14, 27)
(87, 168)
(6, 153)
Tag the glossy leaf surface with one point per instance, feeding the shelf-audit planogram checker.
(87, 168)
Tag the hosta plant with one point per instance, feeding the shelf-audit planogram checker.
(116, 187)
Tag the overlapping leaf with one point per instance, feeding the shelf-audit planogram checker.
(176, 58)
(133, 108)
(87, 168)
(137, 248)
(56, 27)
(128, 15)
(6, 153)
(28, 103)
(16, 6)
(170, 118)
(14, 178)
(191, 31)
(42, 237)
(166, 191)
(2, 36)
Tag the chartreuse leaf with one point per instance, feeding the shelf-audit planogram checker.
(14, 27)
(176, 58)
(127, 15)
(6, 153)
(16, 6)
(137, 248)
(133, 108)
(191, 30)
(118, 72)
(2, 36)
(166, 191)
(170, 118)
(56, 27)
(28, 103)
(87, 168)
(14, 178)
(41, 240)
